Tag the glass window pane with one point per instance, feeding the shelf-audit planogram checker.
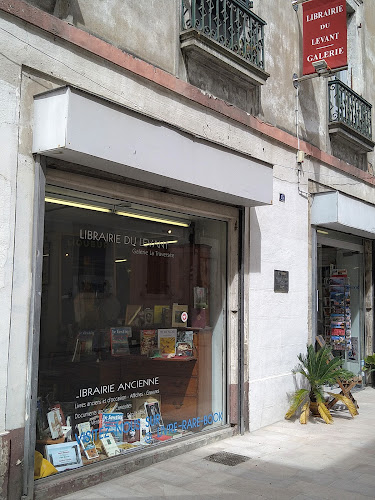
(133, 327)
(340, 308)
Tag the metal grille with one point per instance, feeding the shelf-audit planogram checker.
(345, 106)
(230, 23)
(226, 458)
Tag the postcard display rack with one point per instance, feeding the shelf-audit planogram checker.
(337, 311)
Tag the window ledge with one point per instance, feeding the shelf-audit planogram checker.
(344, 133)
(195, 44)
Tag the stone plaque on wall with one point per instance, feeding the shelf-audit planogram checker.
(281, 281)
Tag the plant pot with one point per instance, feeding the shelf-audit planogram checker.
(314, 409)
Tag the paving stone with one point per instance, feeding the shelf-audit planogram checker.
(288, 461)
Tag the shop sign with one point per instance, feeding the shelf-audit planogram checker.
(324, 34)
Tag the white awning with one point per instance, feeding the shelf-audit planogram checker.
(338, 211)
(78, 127)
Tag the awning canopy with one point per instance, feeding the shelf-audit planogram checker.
(338, 211)
(78, 127)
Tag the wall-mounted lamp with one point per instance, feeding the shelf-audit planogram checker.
(321, 67)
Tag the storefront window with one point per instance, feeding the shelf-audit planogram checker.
(340, 292)
(133, 328)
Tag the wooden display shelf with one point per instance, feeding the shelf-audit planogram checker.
(51, 441)
(176, 358)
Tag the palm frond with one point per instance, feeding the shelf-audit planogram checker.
(298, 399)
(318, 394)
(347, 402)
(305, 413)
(325, 413)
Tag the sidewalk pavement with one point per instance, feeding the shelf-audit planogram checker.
(288, 461)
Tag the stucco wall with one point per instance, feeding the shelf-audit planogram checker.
(147, 28)
(278, 322)
(9, 108)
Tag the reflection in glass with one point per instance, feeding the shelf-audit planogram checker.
(132, 326)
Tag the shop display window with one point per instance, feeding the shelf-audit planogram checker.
(133, 328)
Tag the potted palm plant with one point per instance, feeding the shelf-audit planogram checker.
(369, 367)
(318, 369)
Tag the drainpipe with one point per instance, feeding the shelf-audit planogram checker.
(241, 344)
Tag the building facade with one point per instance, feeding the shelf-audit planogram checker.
(181, 213)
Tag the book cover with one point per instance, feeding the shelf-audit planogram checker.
(120, 340)
(184, 350)
(109, 445)
(64, 456)
(86, 338)
(158, 312)
(54, 423)
(57, 406)
(154, 420)
(200, 297)
(86, 441)
(338, 331)
(148, 314)
(113, 423)
(167, 341)
(132, 315)
(184, 344)
(166, 317)
(339, 272)
(132, 431)
(337, 281)
(148, 341)
(199, 318)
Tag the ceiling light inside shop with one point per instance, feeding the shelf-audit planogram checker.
(153, 219)
(76, 204)
(159, 243)
(322, 232)
(133, 215)
(121, 260)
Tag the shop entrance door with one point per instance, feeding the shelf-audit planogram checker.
(341, 298)
(352, 262)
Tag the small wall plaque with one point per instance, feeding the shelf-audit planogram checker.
(281, 281)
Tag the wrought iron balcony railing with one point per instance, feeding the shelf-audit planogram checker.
(348, 108)
(230, 23)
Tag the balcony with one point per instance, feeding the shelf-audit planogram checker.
(225, 35)
(349, 117)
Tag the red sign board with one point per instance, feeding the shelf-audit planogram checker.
(324, 34)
